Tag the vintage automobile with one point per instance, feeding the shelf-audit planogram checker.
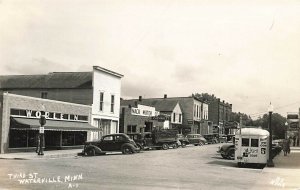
(211, 138)
(111, 143)
(182, 140)
(227, 151)
(196, 139)
(157, 139)
(222, 138)
(139, 139)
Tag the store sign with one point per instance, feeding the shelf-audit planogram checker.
(294, 125)
(48, 115)
(161, 118)
(143, 112)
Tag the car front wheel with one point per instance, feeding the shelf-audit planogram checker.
(91, 152)
(127, 150)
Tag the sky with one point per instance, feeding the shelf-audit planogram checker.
(244, 52)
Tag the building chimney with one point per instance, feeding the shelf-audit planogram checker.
(165, 96)
(140, 98)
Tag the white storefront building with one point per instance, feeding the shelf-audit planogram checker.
(106, 102)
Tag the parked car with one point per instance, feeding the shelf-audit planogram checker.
(111, 143)
(139, 139)
(211, 138)
(183, 140)
(222, 139)
(157, 139)
(196, 139)
(227, 151)
(161, 139)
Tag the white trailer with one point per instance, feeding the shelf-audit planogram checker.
(251, 146)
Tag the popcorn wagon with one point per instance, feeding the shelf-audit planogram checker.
(251, 146)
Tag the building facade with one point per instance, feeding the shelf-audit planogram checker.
(190, 113)
(219, 114)
(138, 118)
(165, 114)
(67, 124)
(106, 101)
(293, 129)
(100, 89)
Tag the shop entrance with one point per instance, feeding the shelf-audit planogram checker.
(148, 126)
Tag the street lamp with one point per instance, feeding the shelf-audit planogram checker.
(270, 160)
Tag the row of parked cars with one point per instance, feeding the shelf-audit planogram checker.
(135, 142)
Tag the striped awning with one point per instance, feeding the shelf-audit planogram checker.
(33, 124)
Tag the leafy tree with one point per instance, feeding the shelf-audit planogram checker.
(278, 124)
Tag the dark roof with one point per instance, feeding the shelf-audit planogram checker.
(51, 80)
(163, 105)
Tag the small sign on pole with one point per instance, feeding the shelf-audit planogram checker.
(42, 129)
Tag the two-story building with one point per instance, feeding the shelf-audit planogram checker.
(188, 114)
(98, 91)
(106, 101)
(168, 114)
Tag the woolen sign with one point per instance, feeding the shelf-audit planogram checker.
(48, 115)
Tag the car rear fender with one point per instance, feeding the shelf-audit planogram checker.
(96, 148)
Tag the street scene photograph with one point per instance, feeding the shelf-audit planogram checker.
(149, 95)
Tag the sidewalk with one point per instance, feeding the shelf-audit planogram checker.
(285, 174)
(47, 154)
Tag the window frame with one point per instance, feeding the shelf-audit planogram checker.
(112, 103)
(44, 94)
(101, 101)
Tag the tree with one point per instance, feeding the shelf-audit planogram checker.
(278, 124)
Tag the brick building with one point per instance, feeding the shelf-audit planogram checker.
(219, 113)
(169, 109)
(99, 88)
(67, 124)
(194, 112)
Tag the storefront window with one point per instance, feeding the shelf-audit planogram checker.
(71, 138)
(131, 128)
(67, 138)
(32, 138)
(17, 138)
(80, 137)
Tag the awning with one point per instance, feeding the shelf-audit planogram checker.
(33, 124)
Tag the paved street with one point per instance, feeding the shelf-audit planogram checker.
(183, 168)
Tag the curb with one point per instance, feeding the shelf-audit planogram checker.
(36, 157)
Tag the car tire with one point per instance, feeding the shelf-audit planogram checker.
(165, 146)
(223, 156)
(230, 154)
(91, 152)
(183, 144)
(201, 143)
(175, 145)
(127, 150)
